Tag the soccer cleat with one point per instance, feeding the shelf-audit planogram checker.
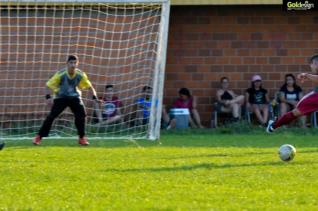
(83, 141)
(270, 128)
(37, 140)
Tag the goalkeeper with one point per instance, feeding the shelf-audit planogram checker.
(65, 85)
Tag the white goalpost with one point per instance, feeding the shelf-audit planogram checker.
(119, 43)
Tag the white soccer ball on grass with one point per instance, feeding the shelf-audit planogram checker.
(287, 152)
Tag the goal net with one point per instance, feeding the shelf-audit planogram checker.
(118, 43)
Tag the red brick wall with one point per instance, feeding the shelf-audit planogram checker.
(208, 42)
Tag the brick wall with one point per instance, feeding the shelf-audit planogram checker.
(208, 42)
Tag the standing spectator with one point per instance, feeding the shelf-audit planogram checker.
(257, 100)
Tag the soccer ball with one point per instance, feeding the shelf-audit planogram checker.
(287, 152)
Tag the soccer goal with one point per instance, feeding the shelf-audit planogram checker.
(120, 43)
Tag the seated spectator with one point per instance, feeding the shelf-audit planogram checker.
(228, 101)
(108, 111)
(144, 106)
(290, 94)
(185, 100)
(257, 100)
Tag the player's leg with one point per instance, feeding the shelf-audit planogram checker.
(308, 104)
(302, 119)
(78, 110)
(285, 107)
(58, 107)
(285, 119)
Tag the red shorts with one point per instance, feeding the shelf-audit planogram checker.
(309, 103)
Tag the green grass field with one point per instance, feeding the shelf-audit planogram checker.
(185, 171)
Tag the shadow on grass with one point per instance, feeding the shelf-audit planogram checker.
(207, 166)
(245, 154)
(24, 144)
(218, 155)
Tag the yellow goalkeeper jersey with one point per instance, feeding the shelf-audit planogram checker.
(64, 85)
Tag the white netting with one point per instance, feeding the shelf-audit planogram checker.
(117, 44)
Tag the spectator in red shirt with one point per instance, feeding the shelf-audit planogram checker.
(109, 110)
(186, 100)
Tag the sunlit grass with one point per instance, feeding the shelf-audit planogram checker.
(184, 171)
